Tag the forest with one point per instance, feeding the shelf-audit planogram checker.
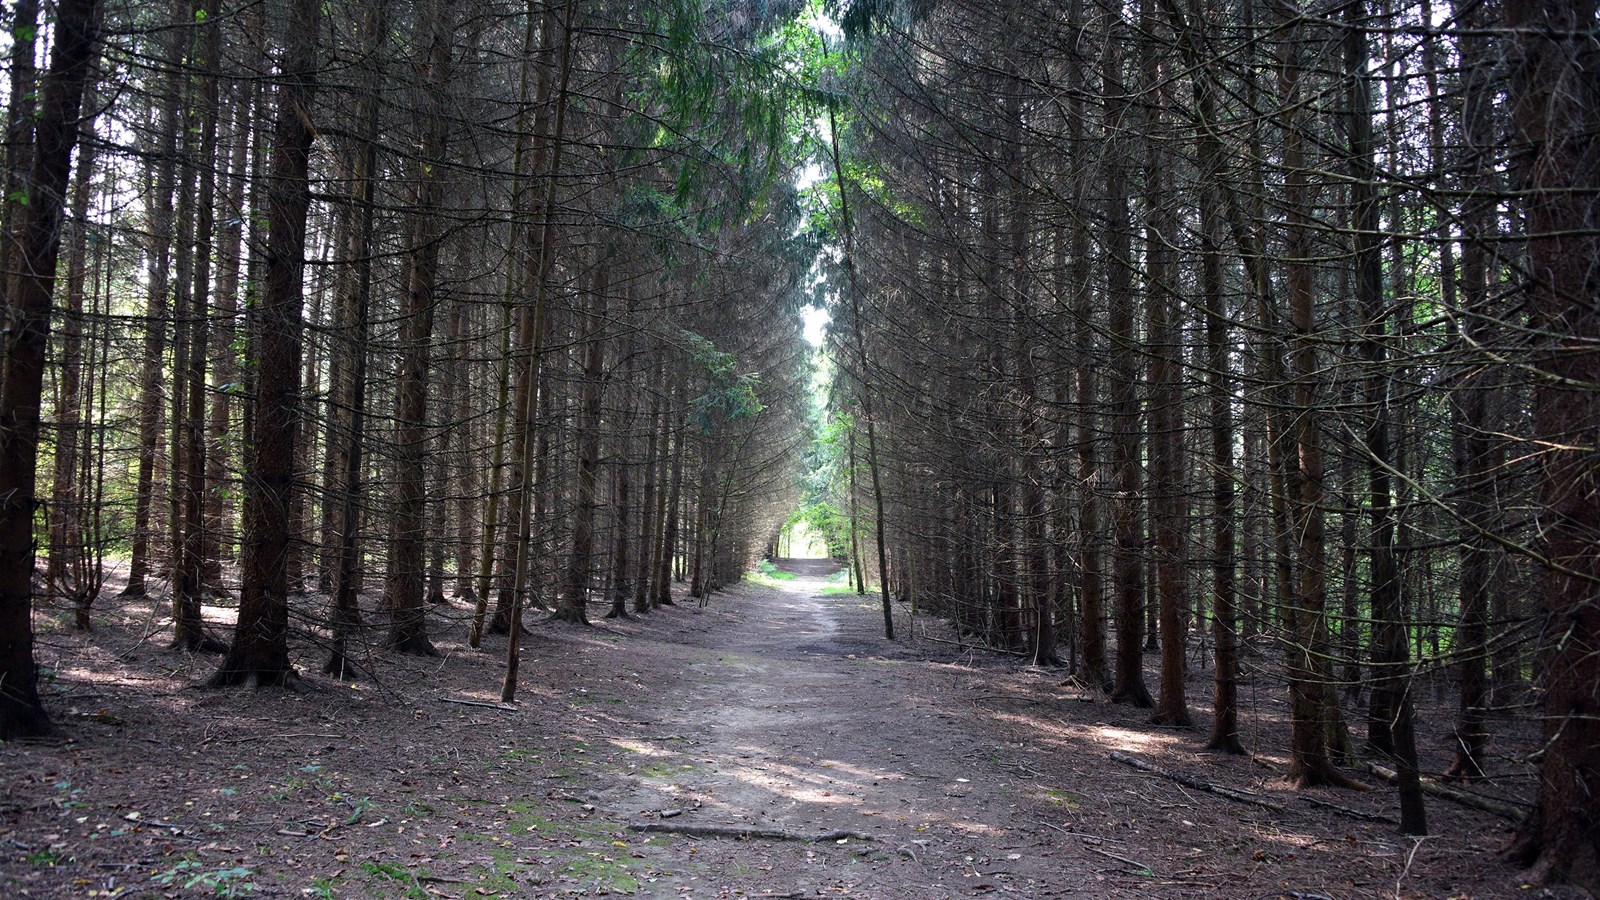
(1218, 378)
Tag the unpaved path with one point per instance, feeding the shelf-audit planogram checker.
(789, 721)
(779, 709)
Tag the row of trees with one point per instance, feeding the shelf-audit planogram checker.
(1223, 320)
(486, 300)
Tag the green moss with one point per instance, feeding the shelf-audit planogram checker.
(1064, 798)
(387, 871)
(578, 850)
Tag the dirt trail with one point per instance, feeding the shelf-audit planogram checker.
(791, 721)
(778, 708)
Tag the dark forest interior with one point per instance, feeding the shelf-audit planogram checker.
(884, 448)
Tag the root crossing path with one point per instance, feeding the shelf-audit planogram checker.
(783, 718)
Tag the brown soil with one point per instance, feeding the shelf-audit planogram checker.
(774, 708)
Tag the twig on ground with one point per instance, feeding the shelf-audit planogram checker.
(1079, 834)
(1352, 813)
(507, 707)
(1406, 872)
(277, 737)
(1121, 859)
(746, 832)
(1195, 783)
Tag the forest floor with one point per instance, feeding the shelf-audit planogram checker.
(777, 708)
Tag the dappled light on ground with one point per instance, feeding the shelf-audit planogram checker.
(774, 709)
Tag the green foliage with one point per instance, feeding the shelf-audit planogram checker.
(768, 574)
(189, 874)
(395, 872)
(49, 856)
(730, 395)
(862, 18)
(716, 121)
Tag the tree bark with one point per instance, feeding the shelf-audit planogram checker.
(1392, 663)
(1166, 364)
(65, 570)
(1555, 99)
(1123, 410)
(37, 233)
(404, 588)
(260, 650)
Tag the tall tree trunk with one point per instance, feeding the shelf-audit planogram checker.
(189, 422)
(1555, 100)
(654, 492)
(1474, 453)
(404, 588)
(539, 328)
(158, 251)
(37, 234)
(1123, 410)
(68, 540)
(1391, 664)
(1308, 643)
(857, 331)
(1166, 372)
(225, 362)
(1086, 435)
(260, 650)
(668, 546)
(355, 296)
(573, 605)
(19, 145)
(622, 565)
(1195, 40)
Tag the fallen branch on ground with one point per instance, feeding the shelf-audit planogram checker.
(1352, 813)
(501, 706)
(1197, 784)
(1484, 804)
(746, 832)
(1123, 859)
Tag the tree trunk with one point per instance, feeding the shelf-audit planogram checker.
(349, 451)
(1474, 454)
(1224, 514)
(260, 650)
(68, 541)
(404, 588)
(1392, 664)
(158, 250)
(1123, 410)
(1555, 98)
(1166, 365)
(1311, 761)
(668, 546)
(650, 503)
(37, 233)
(573, 605)
(189, 421)
(225, 361)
